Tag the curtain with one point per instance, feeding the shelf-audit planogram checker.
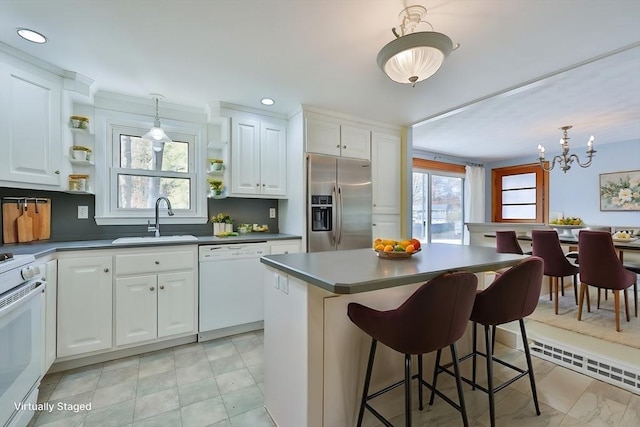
(473, 196)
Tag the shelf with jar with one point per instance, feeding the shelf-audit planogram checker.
(79, 184)
(81, 155)
(215, 167)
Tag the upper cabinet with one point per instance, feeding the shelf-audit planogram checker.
(335, 139)
(258, 157)
(385, 173)
(30, 124)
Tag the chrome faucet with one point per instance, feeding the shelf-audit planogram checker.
(156, 228)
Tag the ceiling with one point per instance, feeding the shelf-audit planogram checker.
(524, 68)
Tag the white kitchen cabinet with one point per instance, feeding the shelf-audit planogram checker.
(258, 157)
(51, 296)
(386, 226)
(30, 125)
(156, 294)
(326, 136)
(385, 173)
(279, 247)
(84, 310)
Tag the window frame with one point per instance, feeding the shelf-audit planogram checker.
(109, 126)
(542, 192)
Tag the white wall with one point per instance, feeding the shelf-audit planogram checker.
(576, 192)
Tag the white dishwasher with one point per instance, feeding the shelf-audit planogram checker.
(231, 286)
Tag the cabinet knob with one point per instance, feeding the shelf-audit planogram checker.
(374, 224)
(106, 270)
(157, 262)
(152, 288)
(338, 146)
(161, 286)
(257, 184)
(344, 146)
(264, 185)
(57, 172)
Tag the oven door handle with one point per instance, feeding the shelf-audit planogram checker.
(17, 298)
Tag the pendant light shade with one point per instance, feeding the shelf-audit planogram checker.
(414, 57)
(156, 135)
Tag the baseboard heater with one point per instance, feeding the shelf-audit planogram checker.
(610, 371)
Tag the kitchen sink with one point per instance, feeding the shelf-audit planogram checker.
(152, 239)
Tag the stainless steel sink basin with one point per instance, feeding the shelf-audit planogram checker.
(152, 239)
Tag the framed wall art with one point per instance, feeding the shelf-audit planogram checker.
(620, 191)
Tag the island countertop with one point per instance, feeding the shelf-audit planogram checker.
(360, 270)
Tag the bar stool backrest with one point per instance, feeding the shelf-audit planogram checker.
(513, 295)
(433, 317)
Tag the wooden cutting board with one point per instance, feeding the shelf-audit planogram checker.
(24, 225)
(40, 221)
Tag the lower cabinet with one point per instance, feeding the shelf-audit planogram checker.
(84, 305)
(154, 306)
(155, 294)
(50, 313)
(285, 247)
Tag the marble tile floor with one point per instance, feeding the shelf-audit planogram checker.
(220, 383)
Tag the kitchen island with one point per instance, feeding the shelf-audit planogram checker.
(315, 357)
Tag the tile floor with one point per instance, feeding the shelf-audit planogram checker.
(219, 383)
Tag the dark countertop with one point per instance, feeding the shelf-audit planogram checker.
(46, 247)
(360, 270)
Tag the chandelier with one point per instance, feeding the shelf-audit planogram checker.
(156, 135)
(565, 159)
(414, 56)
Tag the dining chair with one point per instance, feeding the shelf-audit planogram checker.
(507, 243)
(546, 245)
(601, 267)
(434, 317)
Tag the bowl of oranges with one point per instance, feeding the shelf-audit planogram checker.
(396, 249)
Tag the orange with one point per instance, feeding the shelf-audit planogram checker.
(410, 249)
(388, 248)
(379, 248)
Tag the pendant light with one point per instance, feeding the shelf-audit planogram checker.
(156, 135)
(414, 56)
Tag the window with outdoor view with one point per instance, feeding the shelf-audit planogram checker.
(146, 172)
(520, 194)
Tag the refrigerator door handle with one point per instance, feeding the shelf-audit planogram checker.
(334, 215)
(341, 214)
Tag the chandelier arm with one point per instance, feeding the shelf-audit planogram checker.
(583, 165)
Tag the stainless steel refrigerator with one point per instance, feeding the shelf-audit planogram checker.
(338, 204)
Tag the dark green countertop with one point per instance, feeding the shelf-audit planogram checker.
(46, 247)
(360, 270)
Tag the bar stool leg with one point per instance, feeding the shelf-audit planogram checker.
(407, 389)
(475, 353)
(367, 380)
(555, 289)
(436, 372)
(420, 382)
(492, 405)
(575, 287)
(456, 368)
(562, 288)
(529, 366)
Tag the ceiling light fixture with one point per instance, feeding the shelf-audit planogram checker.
(267, 101)
(156, 135)
(414, 56)
(30, 35)
(565, 159)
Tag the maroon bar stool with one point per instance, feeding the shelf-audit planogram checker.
(546, 245)
(434, 317)
(600, 267)
(507, 243)
(512, 296)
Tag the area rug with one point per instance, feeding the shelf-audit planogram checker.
(600, 323)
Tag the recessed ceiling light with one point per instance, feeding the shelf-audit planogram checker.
(267, 101)
(32, 36)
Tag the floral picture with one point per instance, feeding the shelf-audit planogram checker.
(620, 191)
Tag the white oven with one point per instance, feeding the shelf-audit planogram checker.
(21, 301)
